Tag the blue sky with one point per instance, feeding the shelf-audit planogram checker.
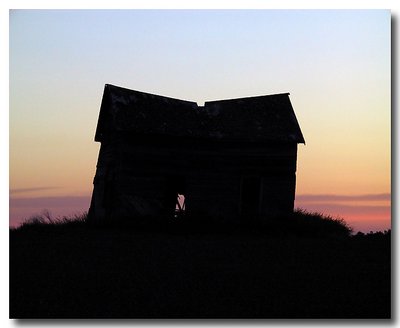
(214, 50)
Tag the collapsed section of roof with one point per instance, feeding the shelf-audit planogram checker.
(261, 118)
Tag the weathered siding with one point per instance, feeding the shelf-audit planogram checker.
(135, 179)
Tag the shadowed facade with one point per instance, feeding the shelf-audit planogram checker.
(233, 160)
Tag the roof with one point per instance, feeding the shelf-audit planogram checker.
(261, 118)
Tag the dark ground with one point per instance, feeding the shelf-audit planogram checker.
(81, 272)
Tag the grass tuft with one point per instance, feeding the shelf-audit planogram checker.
(302, 223)
(45, 219)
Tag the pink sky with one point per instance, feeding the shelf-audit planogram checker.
(362, 212)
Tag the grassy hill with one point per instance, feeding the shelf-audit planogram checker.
(307, 266)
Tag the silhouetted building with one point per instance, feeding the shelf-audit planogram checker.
(232, 160)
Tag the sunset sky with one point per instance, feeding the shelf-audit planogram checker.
(336, 64)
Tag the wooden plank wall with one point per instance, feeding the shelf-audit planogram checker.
(211, 176)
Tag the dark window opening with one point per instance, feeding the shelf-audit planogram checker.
(250, 198)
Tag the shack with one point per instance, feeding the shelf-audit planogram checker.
(233, 161)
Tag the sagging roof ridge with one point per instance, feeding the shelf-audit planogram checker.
(219, 119)
(194, 102)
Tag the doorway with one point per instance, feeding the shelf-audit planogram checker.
(175, 196)
(180, 206)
